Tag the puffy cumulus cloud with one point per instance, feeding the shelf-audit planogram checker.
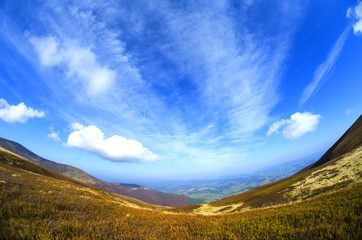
(54, 136)
(17, 113)
(115, 148)
(297, 125)
(356, 14)
(79, 62)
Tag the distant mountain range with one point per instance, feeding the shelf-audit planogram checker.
(131, 190)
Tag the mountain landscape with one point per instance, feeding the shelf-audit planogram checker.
(322, 201)
(182, 119)
(212, 190)
(131, 190)
(339, 167)
(174, 195)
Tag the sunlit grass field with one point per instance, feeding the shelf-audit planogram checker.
(35, 206)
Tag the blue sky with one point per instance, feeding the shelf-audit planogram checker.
(129, 90)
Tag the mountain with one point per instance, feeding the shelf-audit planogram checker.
(24, 167)
(350, 140)
(339, 167)
(37, 203)
(131, 190)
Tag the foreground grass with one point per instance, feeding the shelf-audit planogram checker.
(34, 206)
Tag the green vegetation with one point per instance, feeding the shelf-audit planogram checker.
(38, 206)
(324, 179)
(214, 190)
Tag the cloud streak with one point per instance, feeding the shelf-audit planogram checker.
(18, 113)
(204, 71)
(236, 72)
(324, 69)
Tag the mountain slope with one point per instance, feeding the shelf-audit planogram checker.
(350, 140)
(46, 205)
(341, 166)
(134, 191)
(20, 166)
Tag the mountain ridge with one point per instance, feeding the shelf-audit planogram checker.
(131, 190)
(41, 206)
(324, 176)
(38, 203)
(351, 139)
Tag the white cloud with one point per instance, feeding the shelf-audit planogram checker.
(231, 68)
(48, 51)
(323, 70)
(356, 14)
(115, 148)
(349, 13)
(54, 136)
(275, 126)
(17, 113)
(80, 63)
(297, 125)
(236, 71)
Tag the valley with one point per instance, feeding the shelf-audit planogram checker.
(323, 201)
(217, 189)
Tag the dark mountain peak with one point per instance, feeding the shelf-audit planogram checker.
(349, 141)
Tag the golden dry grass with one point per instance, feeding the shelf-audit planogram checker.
(37, 206)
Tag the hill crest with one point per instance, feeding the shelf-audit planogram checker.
(131, 190)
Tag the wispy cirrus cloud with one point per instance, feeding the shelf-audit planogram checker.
(232, 71)
(54, 136)
(79, 62)
(234, 67)
(206, 72)
(17, 113)
(324, 69)
(322, 72)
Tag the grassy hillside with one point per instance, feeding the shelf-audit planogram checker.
(324, 202)
(45, 205)
(350, 140)
(14, 163)
(326, 176)
(138, 192)
(42, 206)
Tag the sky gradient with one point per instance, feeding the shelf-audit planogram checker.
(129, 90)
